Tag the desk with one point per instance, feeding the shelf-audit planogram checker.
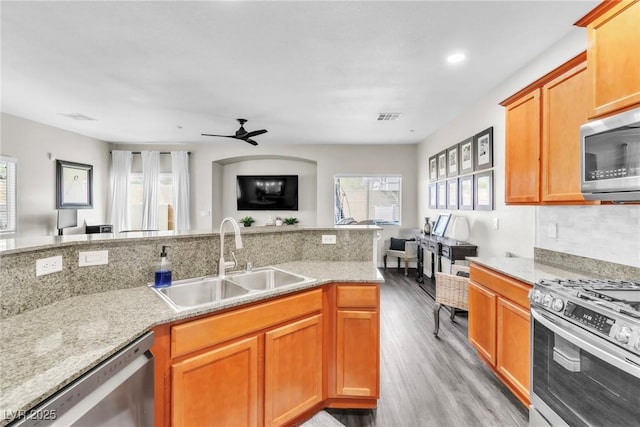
(440, 247)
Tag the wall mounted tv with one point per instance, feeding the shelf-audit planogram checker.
(267, 192)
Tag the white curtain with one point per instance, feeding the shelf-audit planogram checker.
(120, 171)
(181, 202)
(150, 188)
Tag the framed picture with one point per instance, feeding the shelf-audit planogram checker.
(465, 184)
(452, 161)
(74, 185)
(466, 156)
(452, 193)
(442, 164)
(483, 146)
(442, 194)
(433, 196)
(484, 191)
(433, 168)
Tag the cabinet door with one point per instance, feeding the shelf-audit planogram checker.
(566, 107)
(522, 149)
(357, 348)
(482, 321)
(513, 345)
(614, 58)
(219, 387)
(293, 370)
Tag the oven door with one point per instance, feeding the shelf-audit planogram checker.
(579, 379)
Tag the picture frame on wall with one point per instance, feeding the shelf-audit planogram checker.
(465, 149)
(483, 185)
(452, 161)
(483, 147)
(433, 168)
(442, 164)
(452, 194)
(442, 194)
(465, 190)
(74, 185)
(433, 196)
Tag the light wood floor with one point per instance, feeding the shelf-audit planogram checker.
(429, 381)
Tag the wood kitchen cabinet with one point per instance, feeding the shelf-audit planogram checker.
(499, 327)
(613, 56)
(542, 147)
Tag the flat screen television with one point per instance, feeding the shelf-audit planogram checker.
(67, 218)
(267, 192)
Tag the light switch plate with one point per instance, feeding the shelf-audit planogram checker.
(328, 239)
(496, 223)
(552, 230)
(88, 258)
(48, 265)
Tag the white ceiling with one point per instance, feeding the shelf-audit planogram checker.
(309, 72)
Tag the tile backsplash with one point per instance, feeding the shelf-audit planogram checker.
(606, 232)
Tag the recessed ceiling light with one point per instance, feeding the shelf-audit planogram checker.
(456, 58)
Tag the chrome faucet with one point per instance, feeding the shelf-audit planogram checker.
(222, 265)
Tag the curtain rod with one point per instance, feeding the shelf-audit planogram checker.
(161, 152)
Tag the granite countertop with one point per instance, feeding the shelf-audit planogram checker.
(527, 269)
(43, 350)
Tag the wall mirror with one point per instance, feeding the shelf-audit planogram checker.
(74, 185)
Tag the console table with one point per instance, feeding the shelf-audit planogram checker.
(440, 247)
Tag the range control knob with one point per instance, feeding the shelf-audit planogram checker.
(557, 304)
(546, 301)
(623, 334)
(537, 296)
(638, 344)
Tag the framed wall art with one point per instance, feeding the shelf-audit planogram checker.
(484, 191)
(74, 185)
(442, 194)
(452, 161)
(483, 147)
(433, 168)
(466, 156)
(433, 196)
(442, 164)
(452, 193)
(465, 189)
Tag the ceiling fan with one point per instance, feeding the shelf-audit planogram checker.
(242, 133)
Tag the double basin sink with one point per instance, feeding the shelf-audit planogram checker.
(202, 291)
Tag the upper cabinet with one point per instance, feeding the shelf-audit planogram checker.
(613, 56)
(542, 146)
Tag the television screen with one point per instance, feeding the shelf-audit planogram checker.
(267, 192)
(67, 218)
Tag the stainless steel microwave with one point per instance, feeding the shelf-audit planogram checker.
(610, 153)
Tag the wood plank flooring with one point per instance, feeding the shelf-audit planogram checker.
(429, 381)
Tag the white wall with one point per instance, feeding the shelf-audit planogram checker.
(31, 143)
(609, 233)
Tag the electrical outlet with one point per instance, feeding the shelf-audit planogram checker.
(48, 265)
(496, 223)
(328, 239)
(552, 230)
(88, 258)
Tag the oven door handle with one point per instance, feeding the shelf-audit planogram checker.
(602, 349)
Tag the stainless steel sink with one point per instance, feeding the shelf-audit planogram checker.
(267, 278)
(191, 293)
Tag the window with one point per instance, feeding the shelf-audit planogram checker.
(367, 199)
(7, 194)
(165, 194)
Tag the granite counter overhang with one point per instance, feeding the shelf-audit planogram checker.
(44, 350)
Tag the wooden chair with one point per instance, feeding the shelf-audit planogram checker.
(452, 291)
(402, 249)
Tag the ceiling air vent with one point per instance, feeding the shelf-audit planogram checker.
(388, 116)
(76, 116)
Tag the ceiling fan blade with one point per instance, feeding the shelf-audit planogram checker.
(223, 136)
(255, 133)
(251, 141)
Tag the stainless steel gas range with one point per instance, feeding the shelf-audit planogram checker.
(585, 353)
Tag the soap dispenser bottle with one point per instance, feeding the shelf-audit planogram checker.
(163, 270)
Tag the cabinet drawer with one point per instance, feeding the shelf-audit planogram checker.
(433, 247)
(505, 286)
(365, 296)
(446, 251)
(209, 331)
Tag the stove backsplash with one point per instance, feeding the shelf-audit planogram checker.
(607, 232)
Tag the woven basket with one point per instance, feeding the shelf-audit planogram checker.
(452, 291)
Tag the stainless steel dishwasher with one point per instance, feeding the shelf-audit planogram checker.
(117, 392)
